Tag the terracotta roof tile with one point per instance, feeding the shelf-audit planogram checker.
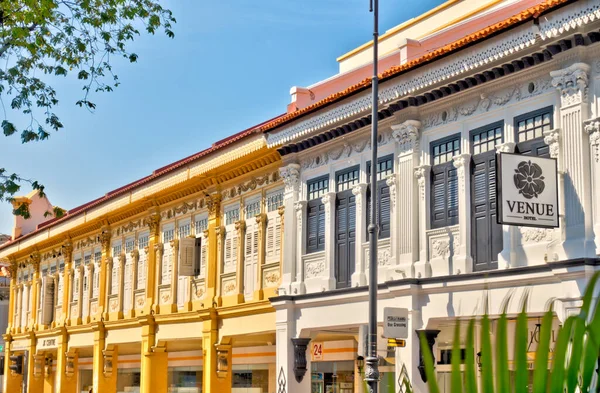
(523, 16)
(155, 174)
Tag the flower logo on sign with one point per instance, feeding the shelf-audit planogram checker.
(529, 180)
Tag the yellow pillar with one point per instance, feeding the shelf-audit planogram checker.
(68, 255)
(12, 382)
(48, 379)
(217, 373)
(213, 203)
(104, 362)
(35, 292)
(12, 299)
(66, 365)
(106, 258)
(154, 360)
(34, 378)
(261, 222)
(153, 222)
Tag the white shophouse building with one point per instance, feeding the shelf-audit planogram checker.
(530, 87)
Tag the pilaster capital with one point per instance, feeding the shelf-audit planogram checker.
(461, 161)
(592, 127)
(153, 222)
(105, 236)
(281, 210)
(572, 82)
(158, 247)
(36, 259)
(122, 258)
(552, 139)
(67, 250)
(205, 233)
(240, 226)
(260, 218)
(422, 174)
(90, 267)
(391, 181)
(291, 177)
(299, 206)
(327, 199)
(135, 254)
(359, 189)
(213, 203)
(407, 135)
(220, 232)
(506, 147)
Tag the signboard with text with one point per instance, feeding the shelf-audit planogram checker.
(395, 322)
(527, 191)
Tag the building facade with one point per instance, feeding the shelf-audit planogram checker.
(530, 85)
(243, 268)
(159, 286)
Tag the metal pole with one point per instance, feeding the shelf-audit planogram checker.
(371, 369)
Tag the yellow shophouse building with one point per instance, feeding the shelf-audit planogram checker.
(161, 285)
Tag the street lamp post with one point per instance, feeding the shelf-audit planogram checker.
(371, 369)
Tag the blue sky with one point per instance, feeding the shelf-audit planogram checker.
(229, 67)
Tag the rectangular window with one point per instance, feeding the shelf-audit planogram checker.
(346, 179)
(116, 250)
(201, 225)
(252, 209)
(232, 215)
(184, 230)
(168, 235)
(486, 138)
(129, 245)
(529, 132)
(318, 187)
(315, 214)
(274, 200)
(87, 259)
(385, 167)
(444, 182)
(142, 242)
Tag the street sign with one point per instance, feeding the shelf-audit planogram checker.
(527, 191)
(392, 342)
(395, 322)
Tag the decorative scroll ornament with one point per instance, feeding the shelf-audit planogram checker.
(291, 177)
(592, 127)
(129, 227)
(84, 243)
(213, 203)
(391, 183)
(300, 346)
(407, 135)
(371, 369)
(421, 173)
(358, 192)
(326, 199)
(460, 163)
(184, 208)
(552, 139)
(572, 82)
(67, 250)
(506, 147)
(251, 185)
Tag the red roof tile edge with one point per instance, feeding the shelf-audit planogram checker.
(155, 174)
(523, 16)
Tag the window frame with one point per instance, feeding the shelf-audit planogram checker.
(315, 203)
(445, 168)
(531, 144)
(487, 127)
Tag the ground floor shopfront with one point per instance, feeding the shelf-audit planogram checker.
(332, 326)
(161, 354)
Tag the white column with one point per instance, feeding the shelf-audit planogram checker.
(572, 83)
(462, 260)
(592, 127)
(298, 286)
(329, 202)
(405, 242)
(291, 178)
(407, 358)
(422, 268)
(507, 257)
(553, 139)
(285, 330)
(359, 277)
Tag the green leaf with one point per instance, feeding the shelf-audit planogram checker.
(502, 375)
(520, 352)
(456, 375)
(470, 373)
(487, 370)
(557, 381)
(429, 368)
(8, 128)
(540, 372)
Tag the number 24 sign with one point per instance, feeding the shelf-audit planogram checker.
(317, 351)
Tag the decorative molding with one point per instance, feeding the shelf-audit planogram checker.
(569, 18)
(407, 135)
(460, 162)
(87, 242)
(153, 223)
(506, 147)
(326, 199)
(213, 204)
(384, 256)
(535, 235)
(184, 208)
(552, 139)
(592, 127)
(572, 82)
(441, 247)
(52, 254)
(250, 185)
(358, 191)
(391, 181)
(314, 268)
(421, 174)
(291, 177)
(300, 364)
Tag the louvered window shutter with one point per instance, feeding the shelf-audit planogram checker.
(384, 210)
(234, 251)
(203, 260)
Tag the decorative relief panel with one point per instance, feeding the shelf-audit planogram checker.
(271, 276)
(535, 235)
(314, 265)
(164, 294)
(198, 289)
(250, 185)
(443, 242)
(140, 298)
(384, 254)
(228, 285)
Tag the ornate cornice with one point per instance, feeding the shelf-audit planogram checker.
(572, 82)
(291, 177)
(407, 135)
